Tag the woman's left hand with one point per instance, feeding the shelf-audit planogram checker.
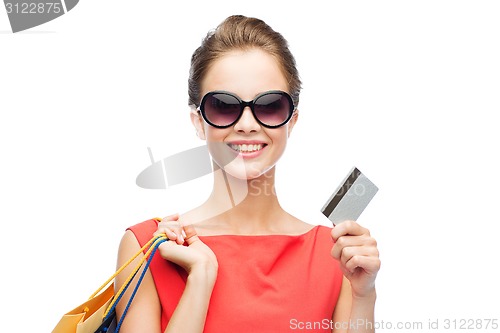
(358, 255)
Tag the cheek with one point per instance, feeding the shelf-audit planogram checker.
(280, 138)
(221, 153)
(214, 134)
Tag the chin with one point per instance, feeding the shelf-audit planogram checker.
(245, 171)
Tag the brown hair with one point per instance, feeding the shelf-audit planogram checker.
(240, 32)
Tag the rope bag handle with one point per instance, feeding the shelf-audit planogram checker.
(153, 245)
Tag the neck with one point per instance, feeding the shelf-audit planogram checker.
(245, 206)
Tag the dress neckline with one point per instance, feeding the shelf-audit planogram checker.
(305, 234)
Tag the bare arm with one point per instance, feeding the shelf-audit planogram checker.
(191, 312)
(354, 314)
(359, 260)
(196, 258)
(145, 313)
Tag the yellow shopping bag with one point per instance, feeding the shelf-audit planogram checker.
(97, 313)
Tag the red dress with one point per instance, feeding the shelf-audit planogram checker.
(269, 283)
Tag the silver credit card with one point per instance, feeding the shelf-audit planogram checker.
(350, 198)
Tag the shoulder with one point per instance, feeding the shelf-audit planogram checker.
(317, 230)
(143, 231)
(324, 230)
(148, 224)
(296, 226)
(322, 236)
(136, 236)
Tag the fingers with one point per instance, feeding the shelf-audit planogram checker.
(354, 247)
(177, 230)
(189, 233)
(347, 243)
(177, 254)
(348, 228)
(171, 227)
(363, 256)
(350, 234)
(370, 264)
(173, 217)
(195, 254)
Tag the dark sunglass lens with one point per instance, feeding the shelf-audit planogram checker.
(221, 109)
(273, 109)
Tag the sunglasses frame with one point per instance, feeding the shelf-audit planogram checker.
(243, 105)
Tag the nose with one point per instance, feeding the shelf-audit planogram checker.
(247, 122)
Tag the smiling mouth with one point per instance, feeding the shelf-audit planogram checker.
(247, 148)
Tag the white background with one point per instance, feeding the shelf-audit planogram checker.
(406, 91)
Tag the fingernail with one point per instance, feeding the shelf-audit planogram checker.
(183, 233)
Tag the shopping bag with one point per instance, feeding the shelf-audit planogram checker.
(86, 317)
(98, 314)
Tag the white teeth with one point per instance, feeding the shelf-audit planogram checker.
(244, 148)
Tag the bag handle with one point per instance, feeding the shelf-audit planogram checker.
(154, 248)
(153, 244)
(125, 264)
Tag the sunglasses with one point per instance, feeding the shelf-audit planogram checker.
(271, 109)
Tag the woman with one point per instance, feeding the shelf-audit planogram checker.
(249, 267)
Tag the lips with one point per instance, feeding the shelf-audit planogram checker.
(247, 147)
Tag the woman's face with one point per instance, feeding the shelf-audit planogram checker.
(253, 148)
